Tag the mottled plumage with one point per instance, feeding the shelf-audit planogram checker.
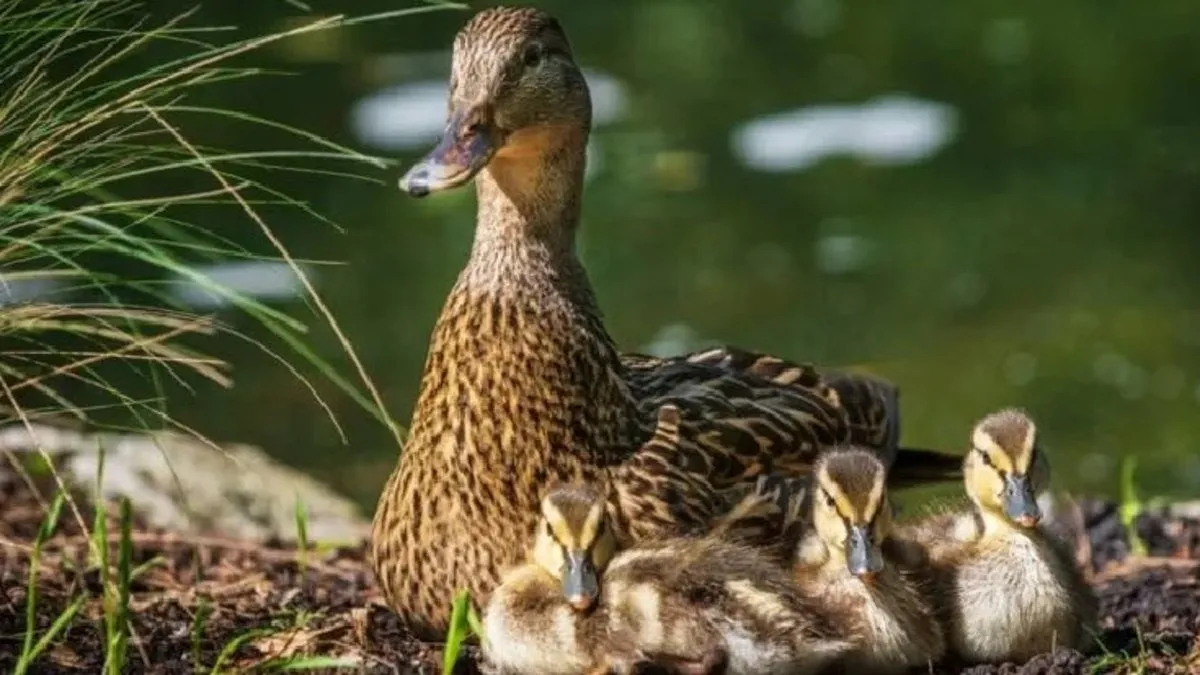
(523, 386)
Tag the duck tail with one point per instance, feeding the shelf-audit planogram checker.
(919, 466)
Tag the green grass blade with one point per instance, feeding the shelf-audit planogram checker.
(1131, 505)
(459, 631)
(235, 644)
(60, 624)
(29, 650)
(298, 663)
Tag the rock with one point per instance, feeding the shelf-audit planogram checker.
(184, 484)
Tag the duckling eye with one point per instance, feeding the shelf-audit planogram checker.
(532, 55)
(829, 501)
(549, 531)
(985, 458)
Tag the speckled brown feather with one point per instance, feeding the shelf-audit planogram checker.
(524, 387)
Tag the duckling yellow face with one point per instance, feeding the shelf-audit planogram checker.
(513, 83)
(1005, 470)
(851, 513)
(574, 541)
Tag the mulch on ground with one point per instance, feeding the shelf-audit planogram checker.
(201, 596)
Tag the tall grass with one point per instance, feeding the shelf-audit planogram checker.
(84, 129)
(97, 112)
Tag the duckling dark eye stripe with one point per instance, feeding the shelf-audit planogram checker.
(833, 502)
(987, 460)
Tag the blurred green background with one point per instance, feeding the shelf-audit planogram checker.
(990, 203)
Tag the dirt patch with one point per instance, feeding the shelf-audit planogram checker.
(196, 598)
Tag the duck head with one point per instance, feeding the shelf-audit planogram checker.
(516, 95)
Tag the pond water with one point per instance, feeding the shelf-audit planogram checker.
(990, 203)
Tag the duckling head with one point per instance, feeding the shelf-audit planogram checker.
(574, 542)
(851, 513)
(515, 94)
(1006, 470)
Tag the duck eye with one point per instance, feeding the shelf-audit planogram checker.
(532, 55)
(549, 530)
(829, 501)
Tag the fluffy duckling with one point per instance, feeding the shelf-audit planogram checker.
(1012, 590)
(538, 619)
(850, 560)
(692, 605)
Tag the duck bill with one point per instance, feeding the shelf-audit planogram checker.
(862, 556)
(1020, 504)
(464, 149)
(580, 583)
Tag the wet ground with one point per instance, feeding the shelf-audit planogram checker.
(199, 601)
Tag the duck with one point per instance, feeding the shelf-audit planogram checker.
(522, 384)
(852, 560)
(1011, 588)
(694, 605)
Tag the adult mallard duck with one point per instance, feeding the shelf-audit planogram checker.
(523, 385)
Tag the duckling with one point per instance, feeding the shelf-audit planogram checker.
(694, 605)
(1012, 590)
(874, 581)
(538, 619)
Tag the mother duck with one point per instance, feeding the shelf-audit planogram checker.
(524, 387)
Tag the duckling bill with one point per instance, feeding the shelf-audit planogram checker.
(577, 528)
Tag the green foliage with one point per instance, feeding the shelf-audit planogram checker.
(301, 532)
(100, 170)
(199, 623)
(94, 126)
(464, 622)
(32, 648)
(1131, 505)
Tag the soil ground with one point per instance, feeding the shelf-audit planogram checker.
(201, 596)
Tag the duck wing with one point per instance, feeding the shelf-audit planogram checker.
(792, 411)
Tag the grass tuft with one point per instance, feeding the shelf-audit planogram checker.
(95, 122)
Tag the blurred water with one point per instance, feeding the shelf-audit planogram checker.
(990, 205)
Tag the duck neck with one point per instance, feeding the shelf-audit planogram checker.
(530, 200)
(520, 355)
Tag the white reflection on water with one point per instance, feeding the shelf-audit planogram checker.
(16, 290)
(208, 288)
(258, 279)
(672, 340)
(887, 130)
(410, 116)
